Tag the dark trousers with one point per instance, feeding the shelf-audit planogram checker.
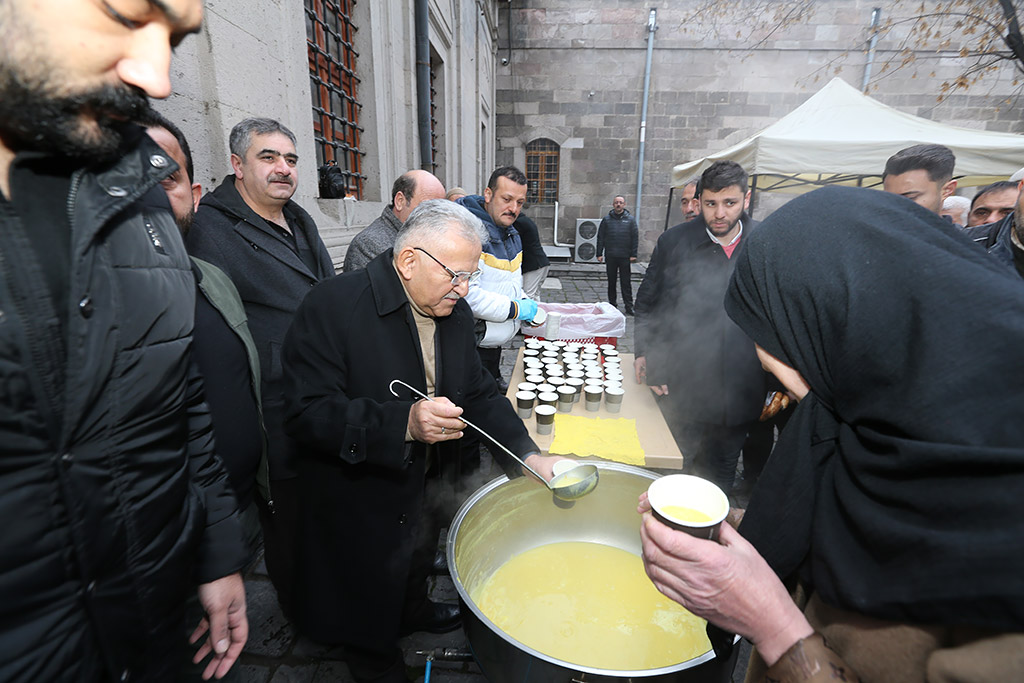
(620, 265)
(710, 451)
(279, 538)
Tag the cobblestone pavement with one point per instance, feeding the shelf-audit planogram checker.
(275, 653)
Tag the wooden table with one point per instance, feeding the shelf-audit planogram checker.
(660, 449)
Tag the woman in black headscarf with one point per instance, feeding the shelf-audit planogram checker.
(896, 492)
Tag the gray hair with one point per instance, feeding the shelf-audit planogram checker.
(241, 134)
(437, 219)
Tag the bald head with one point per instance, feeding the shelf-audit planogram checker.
(410, 189)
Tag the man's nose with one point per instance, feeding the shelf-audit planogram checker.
(146, 61)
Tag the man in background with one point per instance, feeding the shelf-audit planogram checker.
(411, 188)
(922, 173)
(535, 261)
(270, 248)
(1004, 239)
(701, 365)
(956, 209)
(497, 297)
(617, 241)
(689, 202)
(993, 203)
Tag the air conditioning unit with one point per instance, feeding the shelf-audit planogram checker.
(586, 239)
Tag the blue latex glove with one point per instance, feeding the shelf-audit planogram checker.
(527, 309)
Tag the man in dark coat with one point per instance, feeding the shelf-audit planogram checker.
(617, 239)
(687, 349)
(250, 228)
(1004, 239)
(361, 470)
(535, 261)
(113, 501)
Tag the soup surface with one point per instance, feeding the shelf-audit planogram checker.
(592, 605)
(685, 514)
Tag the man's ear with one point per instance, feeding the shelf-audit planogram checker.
(405, 263)
(236, 166)
(948, 189)
(197, 194)
(488, 195)
(746, 201)
(400, 201)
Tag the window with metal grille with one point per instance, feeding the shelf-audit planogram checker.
(332, 84)
(542, 171)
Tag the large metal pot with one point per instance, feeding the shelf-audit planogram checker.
(505, 518)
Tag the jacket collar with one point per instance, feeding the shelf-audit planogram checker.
(256, 230)
(388, 293)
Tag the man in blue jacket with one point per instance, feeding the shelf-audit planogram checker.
(497, 298)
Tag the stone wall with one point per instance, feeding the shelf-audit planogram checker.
(576, 76)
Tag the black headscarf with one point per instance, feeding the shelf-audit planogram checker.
(897, 488)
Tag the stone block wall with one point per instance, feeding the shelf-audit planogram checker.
(576, 77)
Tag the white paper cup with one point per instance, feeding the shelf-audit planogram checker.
(545, 388)
(545, 419)
(548, 398)
(524, 403)
(613, 398)
(577, 386)
(690, 504)
(565, 399)
(592, 397)
(527, 386)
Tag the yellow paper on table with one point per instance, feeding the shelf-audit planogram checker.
(609, 438)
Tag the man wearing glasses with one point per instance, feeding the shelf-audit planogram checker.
(361, 473)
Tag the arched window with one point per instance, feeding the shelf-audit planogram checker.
(542, 171)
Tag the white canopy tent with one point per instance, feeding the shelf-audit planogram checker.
(841, 136)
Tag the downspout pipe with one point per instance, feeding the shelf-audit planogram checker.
(651, 28)
(876, 15)
(422, 30)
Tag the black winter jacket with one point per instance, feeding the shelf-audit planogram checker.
(691, 345)
(617, 236)
(272, 281)
(113, 502)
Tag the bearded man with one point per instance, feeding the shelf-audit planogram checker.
(114, 503)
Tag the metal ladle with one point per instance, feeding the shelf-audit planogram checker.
(570, 485)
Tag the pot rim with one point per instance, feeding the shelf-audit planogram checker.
(453, 570)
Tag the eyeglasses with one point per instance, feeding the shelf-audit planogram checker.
(457, 278)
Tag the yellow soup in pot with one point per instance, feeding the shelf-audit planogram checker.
(591, 605)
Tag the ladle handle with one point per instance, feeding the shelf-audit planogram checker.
(419, 393)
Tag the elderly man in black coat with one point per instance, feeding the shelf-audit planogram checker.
(361, 473)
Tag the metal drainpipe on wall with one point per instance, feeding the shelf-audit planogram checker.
(652, 26)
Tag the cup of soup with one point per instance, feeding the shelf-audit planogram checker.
(688, 503)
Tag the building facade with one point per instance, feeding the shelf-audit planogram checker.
(570, 89)
(341, 74)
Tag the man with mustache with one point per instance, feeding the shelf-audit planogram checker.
(115, 506)
(270, 248)
(497, 299)
(364, 456)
